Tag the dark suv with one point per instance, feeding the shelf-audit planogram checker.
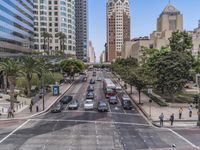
(66, 99)
(90, 88)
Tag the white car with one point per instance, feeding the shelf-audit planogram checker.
(89, 104)
(118, 88)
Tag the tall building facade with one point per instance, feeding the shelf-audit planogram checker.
(55, 16)
(91, 53)
(16, 26)
(81, 14)
(118, 26)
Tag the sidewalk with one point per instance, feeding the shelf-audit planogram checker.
(49, 101)
(152, 111)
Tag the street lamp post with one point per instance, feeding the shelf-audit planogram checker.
(150, 100)
(198, 85)
(43, 104)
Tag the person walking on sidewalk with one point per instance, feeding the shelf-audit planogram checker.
(190, 110)
(180, 112)
(172, 119)
(161, 117)
(37, 107)
(30, 107)
(9, 112)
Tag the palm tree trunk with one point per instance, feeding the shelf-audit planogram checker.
(48, 46)
(61, 44)
(5, 82)
(12, 82)
(44, 44)
(139, 92)
(29, 88)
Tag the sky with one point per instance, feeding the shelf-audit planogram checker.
(144, 14)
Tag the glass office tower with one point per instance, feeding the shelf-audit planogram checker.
(16, 26)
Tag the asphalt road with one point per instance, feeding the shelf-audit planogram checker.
(117, 129)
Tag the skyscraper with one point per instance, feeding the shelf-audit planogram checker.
(118, 26)
(16, 26)
(55, 16)
(81, 11)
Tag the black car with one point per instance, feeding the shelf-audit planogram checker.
(102, 106)
(113, 100)
(90, 88)
(92, 81)
(126, 104)
(58, 108)
(94, 73)
(90, 95)
(73, 104)
(66, 99)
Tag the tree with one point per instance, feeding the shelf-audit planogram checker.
(44, 35)
(71, 67)
(62, 38)
(49, 35)
(11, 67)
(42, 68)
(180, 41)
(172, 71)
(29, 66)
(3, 68)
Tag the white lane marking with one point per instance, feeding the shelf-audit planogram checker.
(180, 136)
(114, 113)
(89, 121)
(14, 131)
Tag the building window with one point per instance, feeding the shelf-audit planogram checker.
(172, 25)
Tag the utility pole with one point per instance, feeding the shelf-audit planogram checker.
(43, 90)
(198, 85)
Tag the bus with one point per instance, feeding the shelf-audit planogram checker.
(109, 87)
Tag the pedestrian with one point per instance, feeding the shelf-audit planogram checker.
(180, 112)
(37, 107)
(30, 107)
(190, 110)
(161, 117)
(172, 119)
(12, 113)
(9, 112)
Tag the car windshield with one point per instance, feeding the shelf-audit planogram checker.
(88, 101)
(103, 104)
(113, 97)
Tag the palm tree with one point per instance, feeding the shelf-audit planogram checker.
(44, 35)
(3, 68)
(11, 68)
(49, 35)
(62, 38)
(29, 65)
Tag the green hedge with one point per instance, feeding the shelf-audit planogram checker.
(156, 100)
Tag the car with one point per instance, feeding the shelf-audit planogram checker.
(90, 95)
(113, 100)
(102, 106)
(66, 99)
(58, 108)
(99, 79)
(92, 81)
(89, 104)
(118, 88)
(84, 79)
(90, 88)
(126, 104)
(73, 104)
(94, 73)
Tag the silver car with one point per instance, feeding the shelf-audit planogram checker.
(73, 104)
(89, 104)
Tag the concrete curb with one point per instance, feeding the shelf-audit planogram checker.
(39, 113)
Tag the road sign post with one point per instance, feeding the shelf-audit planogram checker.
(198, 85)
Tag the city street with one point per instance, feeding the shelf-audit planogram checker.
(117, 129)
